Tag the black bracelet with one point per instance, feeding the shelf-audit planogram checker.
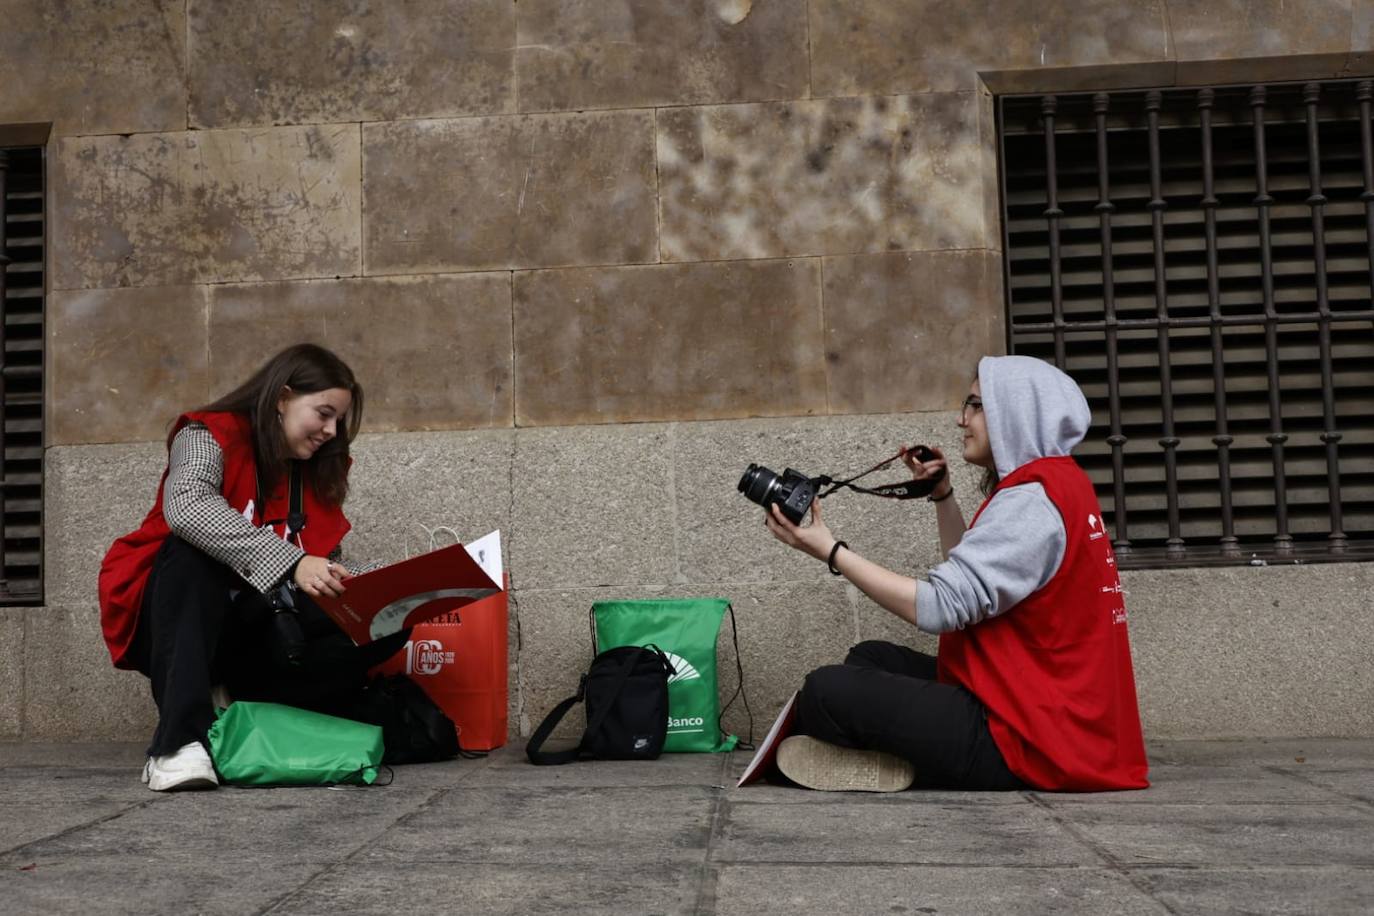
(830, 561)
(940, 499)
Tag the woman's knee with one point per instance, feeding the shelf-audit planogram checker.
(868, 653)
(826, 684)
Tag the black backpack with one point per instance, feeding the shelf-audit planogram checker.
(626, 691)
(414, 729)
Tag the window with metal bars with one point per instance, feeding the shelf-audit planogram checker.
(1200, 261)
(21, 375)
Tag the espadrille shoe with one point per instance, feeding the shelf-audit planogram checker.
(815, 764)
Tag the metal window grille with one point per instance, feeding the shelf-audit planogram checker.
(21, 376)
(1200, 261)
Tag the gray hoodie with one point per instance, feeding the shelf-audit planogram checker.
(1033, 410)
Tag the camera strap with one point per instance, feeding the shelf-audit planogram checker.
(906, 489)
(295, 511)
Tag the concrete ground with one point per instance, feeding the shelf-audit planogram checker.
(1229, 827)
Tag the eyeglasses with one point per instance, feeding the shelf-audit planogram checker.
(973, 403)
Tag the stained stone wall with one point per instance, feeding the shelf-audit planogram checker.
(590, 258)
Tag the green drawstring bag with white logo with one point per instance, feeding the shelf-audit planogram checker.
(269, 744)
(686, 630)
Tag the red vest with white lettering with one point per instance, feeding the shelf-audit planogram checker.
(1054, 672)
(129, 561)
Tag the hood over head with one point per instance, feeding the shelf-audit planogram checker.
(1033, 410)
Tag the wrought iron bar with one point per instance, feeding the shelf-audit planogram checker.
(1283, 541)
(1169, 441)
(4, 308)
(1311, 95)
(1228, 321)
(1223, 439)
(1104, 208)
(1053, 214)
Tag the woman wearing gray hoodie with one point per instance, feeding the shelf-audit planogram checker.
(1032, 685)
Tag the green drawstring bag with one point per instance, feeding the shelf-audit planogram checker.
(268, 744)
(686, 630)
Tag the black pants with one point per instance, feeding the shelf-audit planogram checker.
(885, 697)
(192, 634)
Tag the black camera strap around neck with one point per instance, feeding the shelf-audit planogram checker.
(906, 489)
(295, 509)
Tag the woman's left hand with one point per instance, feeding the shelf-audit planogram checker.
(814, 539)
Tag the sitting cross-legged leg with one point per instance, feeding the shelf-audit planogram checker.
(940, 729)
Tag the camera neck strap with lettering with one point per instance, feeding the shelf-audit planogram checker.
(906, 489)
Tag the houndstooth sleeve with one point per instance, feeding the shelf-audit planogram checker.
(198, 513)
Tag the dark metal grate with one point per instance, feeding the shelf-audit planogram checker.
(1200, 261)
(21, 376)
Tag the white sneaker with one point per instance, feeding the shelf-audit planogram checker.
(188, 768)
(817, 764)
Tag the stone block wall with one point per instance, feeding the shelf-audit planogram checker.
(590, 258)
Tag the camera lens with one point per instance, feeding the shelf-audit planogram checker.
(757, 483)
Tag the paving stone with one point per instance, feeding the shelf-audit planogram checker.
(553, 889)
(94, 66)
(1006, 835)
(123, 363)
(1313, 683)
(585, 521)
(402, 487)
(80, 886)
(1311, 754)
(622, 54)
(185, 829)
(95, 494)
(444, 361)
(509, 192)
(510, 768)
(1215, 835)
(1273, 890)
(1213, 40)
(12, 671)
(267, 62)
(946, 889)
(833, 176)
(72, 687)
(1209, 785)
(671, 342)
(206, 207)
(890, 46)
(1354, 782)
(42, 802)
(904, 331)
(636, 829)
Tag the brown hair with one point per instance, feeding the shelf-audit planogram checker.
(305, 369)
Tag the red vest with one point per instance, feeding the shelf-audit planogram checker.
(1055, 670)
(124, 572)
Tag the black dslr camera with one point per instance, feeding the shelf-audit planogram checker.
(288, 639)
(793, 492)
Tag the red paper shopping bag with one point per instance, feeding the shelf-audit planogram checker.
(459, 660)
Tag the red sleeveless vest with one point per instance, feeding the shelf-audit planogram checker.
(1055, 671)
(125, 569)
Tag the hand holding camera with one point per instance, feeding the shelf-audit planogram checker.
(793, 493)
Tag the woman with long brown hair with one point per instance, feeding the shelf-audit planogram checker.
(245, 527)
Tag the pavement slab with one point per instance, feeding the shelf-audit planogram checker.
(948, 890)
(1255, 827)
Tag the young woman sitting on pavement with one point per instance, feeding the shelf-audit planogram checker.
(189, 598)
(1032, 686)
